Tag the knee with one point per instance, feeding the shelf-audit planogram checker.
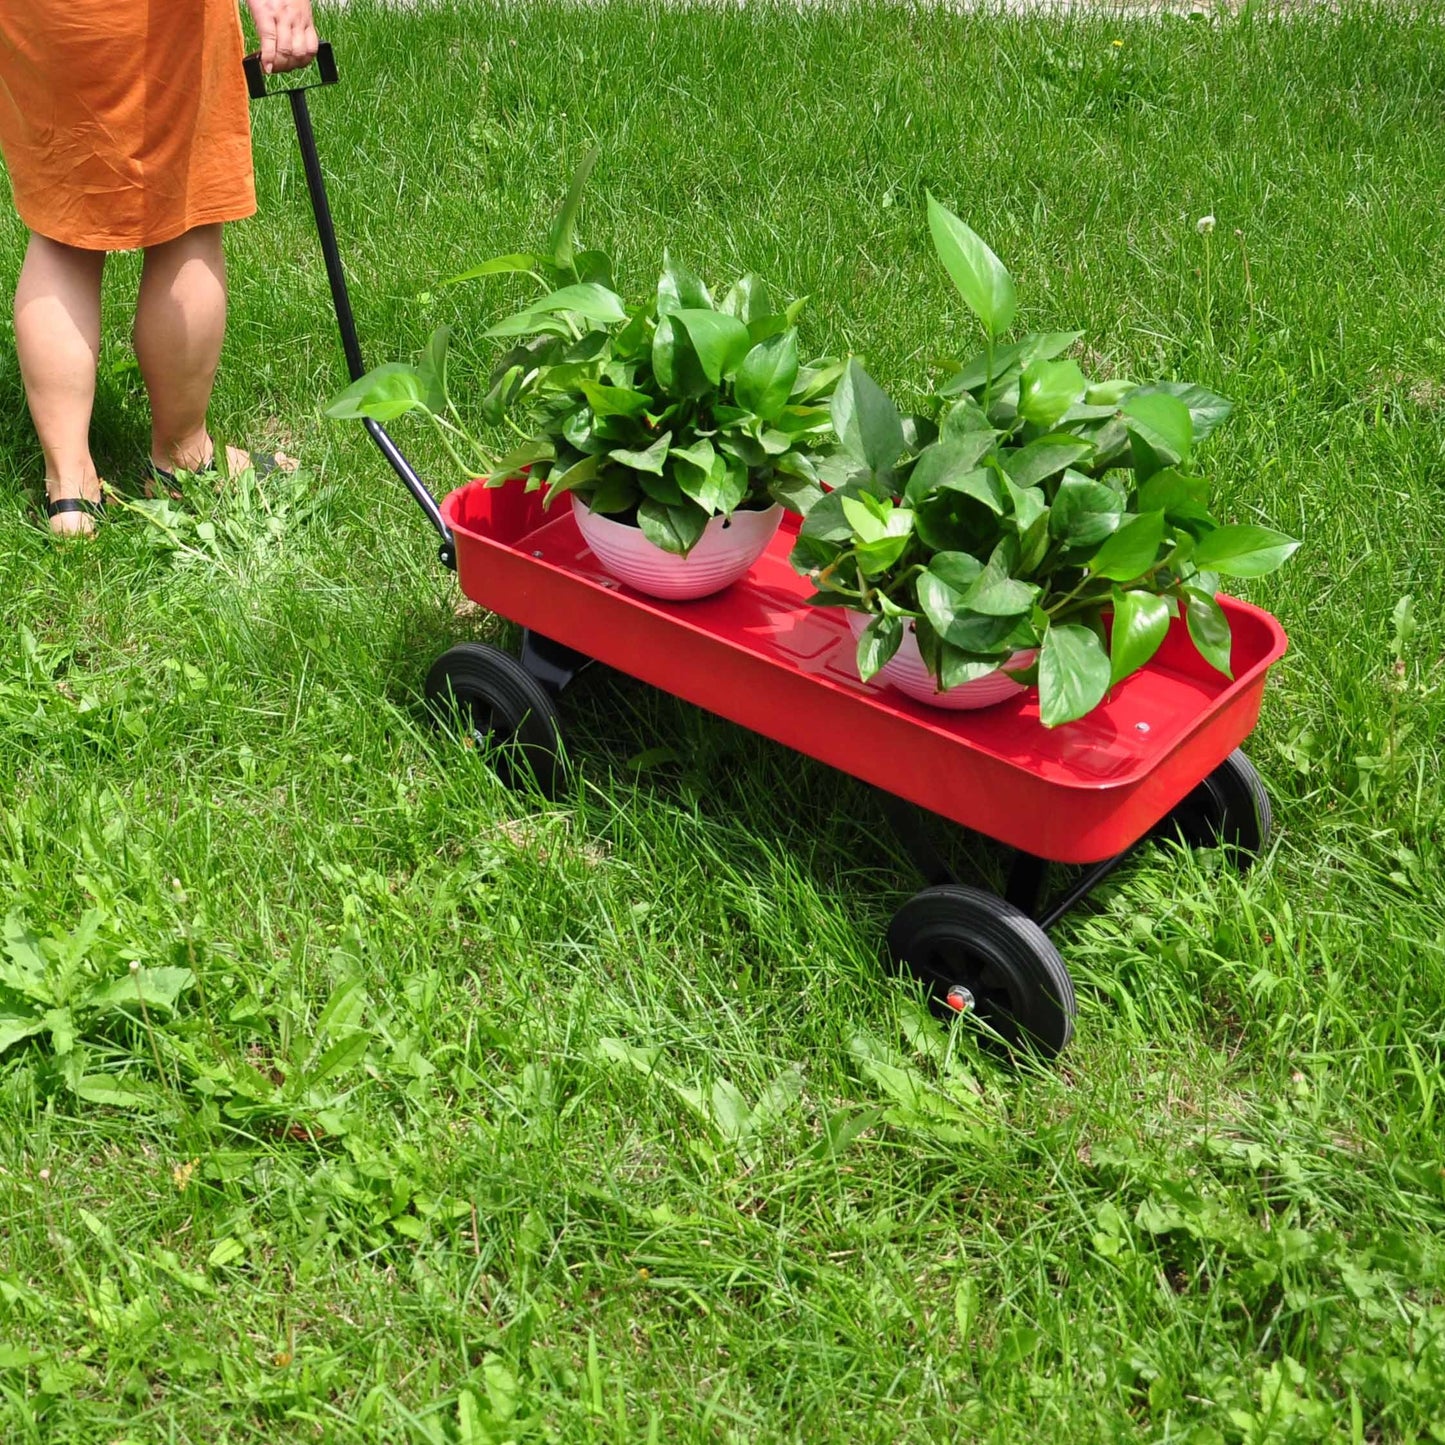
(199, 243)
(57, 254)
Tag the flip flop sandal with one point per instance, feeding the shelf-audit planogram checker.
(66, 506)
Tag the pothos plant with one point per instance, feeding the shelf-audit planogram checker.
(1036, 511)
(663, 414)
(671, 412)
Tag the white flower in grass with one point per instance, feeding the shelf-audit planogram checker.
(1204, 225)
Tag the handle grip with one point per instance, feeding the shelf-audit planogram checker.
(256, 78)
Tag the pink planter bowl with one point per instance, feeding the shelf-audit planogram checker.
(905, 671)
(726, 550)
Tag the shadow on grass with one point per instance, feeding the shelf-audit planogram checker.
(639, 742)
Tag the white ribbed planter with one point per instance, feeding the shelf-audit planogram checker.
(905, 671)
(723, 554)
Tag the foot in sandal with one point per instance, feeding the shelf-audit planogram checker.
(74, 509)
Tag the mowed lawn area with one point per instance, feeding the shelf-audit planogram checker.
(452, 1115)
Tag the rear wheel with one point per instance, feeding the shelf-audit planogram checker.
(1229, 809)
(979, 954)
(501, 707)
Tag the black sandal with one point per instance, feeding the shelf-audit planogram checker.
(61, 505)
(262, 463)
(68, 506)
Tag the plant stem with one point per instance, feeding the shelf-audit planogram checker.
(1070, 595)
(1248, 287)
(477, 448)
(150, 1032)
(1208, 293)
(1089, 577)
(443, 426)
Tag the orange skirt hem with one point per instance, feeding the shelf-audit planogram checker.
(221, 215)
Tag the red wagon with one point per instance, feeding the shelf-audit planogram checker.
(1161, 754)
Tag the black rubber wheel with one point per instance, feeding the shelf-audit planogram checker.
(978, 954)
(1229, 809)
(504, 709)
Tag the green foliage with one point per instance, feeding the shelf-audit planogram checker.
(1031, 508)
(663, 415)
(69, 987)
(980, 276)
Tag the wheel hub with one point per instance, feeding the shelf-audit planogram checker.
(960, 999)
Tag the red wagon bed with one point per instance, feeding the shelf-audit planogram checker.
(758, 655)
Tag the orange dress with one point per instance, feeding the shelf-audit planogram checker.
(124, 123)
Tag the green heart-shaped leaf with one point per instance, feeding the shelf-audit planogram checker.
(614, 400)
(748, 300)
(1074, 674)
(587, 299)
(996, 594)
(953, 462)
(1084, 512)
(383, 394)
(720, 341)
(563, 237)
(1140, 625)
(1244, 551)
(866, 420)
(878, 644)
(679, 290)
(1132, 550)
(652, 459)
(1209, 628)
(675, 529)
(1048, 389)
(1206, 408)
(767, 375)
(1045, 458)
(1162, 423)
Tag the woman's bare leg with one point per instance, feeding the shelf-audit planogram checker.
(180, 322)
(57, 338)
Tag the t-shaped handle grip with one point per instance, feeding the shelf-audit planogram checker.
(256, 78)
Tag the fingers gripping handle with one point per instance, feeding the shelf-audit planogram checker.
(257, 79)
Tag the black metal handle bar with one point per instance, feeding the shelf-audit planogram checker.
(256, 84)
(256, 79)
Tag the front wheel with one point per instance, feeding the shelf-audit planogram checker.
(979, 954)
(503, 708)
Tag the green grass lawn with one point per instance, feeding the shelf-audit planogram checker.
(442, 1142)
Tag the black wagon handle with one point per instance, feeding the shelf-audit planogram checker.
(258, 83)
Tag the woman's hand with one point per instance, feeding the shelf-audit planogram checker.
(288, 38)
